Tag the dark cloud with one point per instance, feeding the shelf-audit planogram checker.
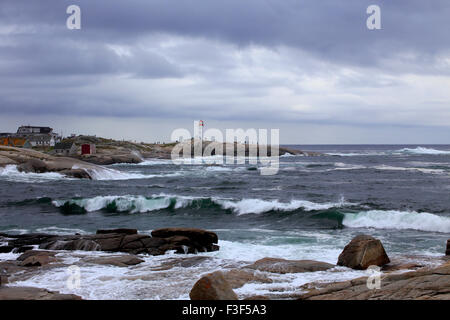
(253, 60)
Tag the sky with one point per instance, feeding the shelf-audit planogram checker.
(138, 69)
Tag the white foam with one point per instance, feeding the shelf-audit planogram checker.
(399, 220)
(246, 206)
(10, 173)
(102, 173)
(423, 150)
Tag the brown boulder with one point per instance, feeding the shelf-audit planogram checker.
(282, 266)
(35, 253)
(37, 261)
(363, 251)
(212, 286)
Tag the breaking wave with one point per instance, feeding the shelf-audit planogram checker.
(422, 150)
(399, 220)
(10, 173)
(141, 204)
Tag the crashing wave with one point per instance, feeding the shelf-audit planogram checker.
(399, 220)
(422, 150)
(141, 204)
(10, 173)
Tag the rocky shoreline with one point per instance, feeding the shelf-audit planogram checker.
(126, 248)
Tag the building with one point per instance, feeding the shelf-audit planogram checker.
(15, 142)
(65, 148)
(41, 140)
(24, 130)
(88, 148)
(38, 136)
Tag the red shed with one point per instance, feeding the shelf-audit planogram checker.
(87, 148)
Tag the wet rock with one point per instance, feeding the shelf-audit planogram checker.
(212, 286)
(123, 240)
(22, 249)
(199, 240)
(362, 252)
(29, 293)
(447, 252)
(37, 261)
(400, 266)
(35, 253)
(282, 266)
(76, 173)
(34, 166)
(238, 277)
(119, 261)
(122, 230)
(257, 298)
(432, 284)
(6, 249)
(3, 279)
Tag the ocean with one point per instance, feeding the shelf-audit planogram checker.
(311, 209)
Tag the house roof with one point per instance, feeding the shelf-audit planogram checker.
(64, 145)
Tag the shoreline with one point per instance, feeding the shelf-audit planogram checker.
(430, 280)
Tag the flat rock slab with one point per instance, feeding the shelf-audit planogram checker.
(276, 265)
(30, 293)
(118, 261)
(432, 284)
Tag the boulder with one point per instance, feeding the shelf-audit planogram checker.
(276, 265)
(35, 253)
(33, 165)
(447, 252)
(37, 261)
(200, 240)
(363, 251)
(212, 286)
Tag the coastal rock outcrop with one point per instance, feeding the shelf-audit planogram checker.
(276, 265)
(432, 284)
(36, 258)
(182, 240)
(363, 251)
(212, 286)
(447, 252)
(30, 293)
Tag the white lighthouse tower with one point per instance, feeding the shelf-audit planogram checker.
(199, 126)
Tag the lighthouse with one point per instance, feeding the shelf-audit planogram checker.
(199, 128)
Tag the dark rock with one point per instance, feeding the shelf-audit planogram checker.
(34, 166)
(6, 249)
(199, 240)
(212, 286)
(447, 252)
(3, 280)
(124, 231)
(22, 249)
(362, 252)
(282, 266)
(76, 173)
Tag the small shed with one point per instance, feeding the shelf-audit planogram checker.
(87, 148)
(65, 148)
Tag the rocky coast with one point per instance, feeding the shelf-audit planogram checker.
(37, 254)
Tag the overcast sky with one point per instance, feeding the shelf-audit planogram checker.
(139, 69)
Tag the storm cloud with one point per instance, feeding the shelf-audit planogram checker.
(302, 66)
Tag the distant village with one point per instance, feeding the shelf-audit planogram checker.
(44, 138)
